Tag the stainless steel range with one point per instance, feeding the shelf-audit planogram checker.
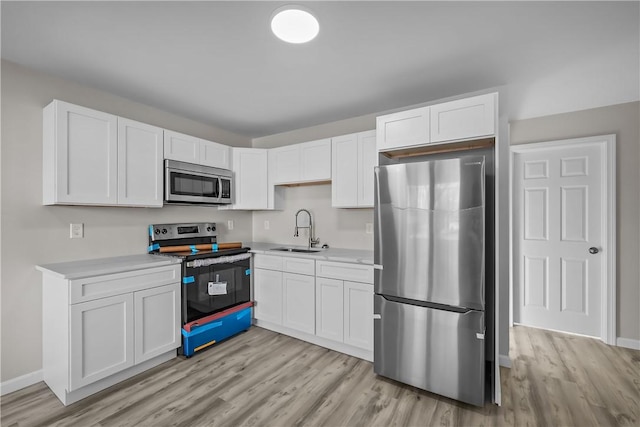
(216, 282)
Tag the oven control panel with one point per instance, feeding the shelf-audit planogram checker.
(182, 231)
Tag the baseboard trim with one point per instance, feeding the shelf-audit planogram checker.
(504, 360)
(628, 343)
(21, 382)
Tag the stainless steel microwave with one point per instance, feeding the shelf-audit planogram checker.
(187, 183)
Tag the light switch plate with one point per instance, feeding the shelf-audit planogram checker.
(266, 225)
(369, 228)
(230, 224)
(76, 231)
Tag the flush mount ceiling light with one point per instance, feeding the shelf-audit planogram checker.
(294, 24)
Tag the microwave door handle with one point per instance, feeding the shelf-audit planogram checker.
(219, 189)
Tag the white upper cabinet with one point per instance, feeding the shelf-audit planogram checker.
(95, 158)
(80, 149)
(140, 148)
(300, 163)
(249, 166)
(214, 154)
(285, 164)
(344, 180)
(353, 158)
(367, 161)
(315, 159)
(183, 148)
(186, 148)
(463, 118)
(403, 129)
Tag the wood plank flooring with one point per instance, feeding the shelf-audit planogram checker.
(261, 378)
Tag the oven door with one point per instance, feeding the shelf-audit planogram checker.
(213, 288)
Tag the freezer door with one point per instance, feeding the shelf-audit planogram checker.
(430, 231)
(435, 350)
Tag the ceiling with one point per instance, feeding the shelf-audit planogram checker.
(218, 63)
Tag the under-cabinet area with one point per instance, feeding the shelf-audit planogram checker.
(326, 303)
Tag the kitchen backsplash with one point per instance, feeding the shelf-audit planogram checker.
(339, 228)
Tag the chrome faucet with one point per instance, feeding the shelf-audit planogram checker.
(312, 241)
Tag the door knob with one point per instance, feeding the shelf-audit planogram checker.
(593, 250)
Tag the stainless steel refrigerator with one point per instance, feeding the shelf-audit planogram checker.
(429, 259)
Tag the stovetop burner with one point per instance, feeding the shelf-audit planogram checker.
(201, 237)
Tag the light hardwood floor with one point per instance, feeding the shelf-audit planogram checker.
(262, 378)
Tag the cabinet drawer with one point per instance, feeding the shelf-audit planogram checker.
(343, 271)
(299, 265)
(91, 288)
(268, 262)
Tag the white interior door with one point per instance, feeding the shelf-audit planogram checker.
(560, 236)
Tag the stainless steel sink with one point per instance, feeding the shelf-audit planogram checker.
(299, 250)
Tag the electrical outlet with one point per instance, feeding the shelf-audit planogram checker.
(230, 224)
(369, 228)
(76, 231)
(266, 225)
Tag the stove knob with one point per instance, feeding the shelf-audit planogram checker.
(164, 231)
(157, 231)
(213, 228)
(208, 228)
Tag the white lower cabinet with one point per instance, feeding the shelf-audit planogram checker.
(358, 315)
(267, 290)
(101, 339)
(298, 292)
(329, 308)
(157, 321)
(100, 330)
(317, 301)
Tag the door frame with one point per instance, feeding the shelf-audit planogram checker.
(607, 145)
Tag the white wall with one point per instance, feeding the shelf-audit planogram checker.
(339, 228)
(35, 234)
(623, 120)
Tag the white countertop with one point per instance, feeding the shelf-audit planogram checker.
(101, 266)
(359, 256)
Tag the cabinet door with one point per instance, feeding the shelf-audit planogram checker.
(367, 160)
(140, 152)
(157, 321)
(286, 164)
(299, 302)
(101, 339)
(315, 159)
(86, 147)
(344, 171)
(214, 154)
(329, 308)
(183, 148)
(358, 315)
(250, 176)
(403, 129)
(463, 119)
(267, 289)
